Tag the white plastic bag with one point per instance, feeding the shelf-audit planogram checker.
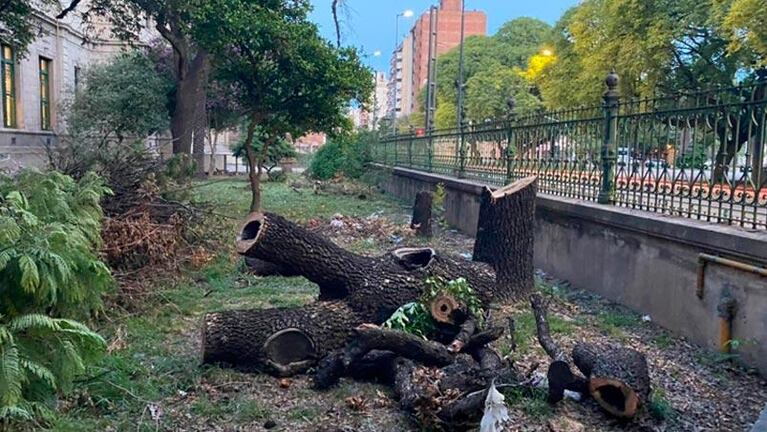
(496, 412)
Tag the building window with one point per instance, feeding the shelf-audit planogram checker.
(8, 87)
(77, 78)
(45, 94)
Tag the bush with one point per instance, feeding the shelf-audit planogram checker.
(50, 276)
(343, 155)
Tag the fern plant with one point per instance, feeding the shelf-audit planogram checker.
(50, 277)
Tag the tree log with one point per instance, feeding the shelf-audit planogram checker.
(421, 221)
(505, 235)
(373, 286)
(367, 338)
(282, 341)
(264, 268)
(618, 377)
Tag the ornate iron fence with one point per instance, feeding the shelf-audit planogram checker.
(698, 155)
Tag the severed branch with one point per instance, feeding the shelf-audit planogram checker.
(72, 6)
(542, 328)
(369, 337)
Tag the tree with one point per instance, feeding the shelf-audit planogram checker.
(743, 23)
(488, 93)
(286, 78)
(124, 98)
(17, 24)
(655, 45)
(281, 148)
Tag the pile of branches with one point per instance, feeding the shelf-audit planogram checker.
(415, 319)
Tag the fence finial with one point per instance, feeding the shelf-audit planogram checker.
(612, 83)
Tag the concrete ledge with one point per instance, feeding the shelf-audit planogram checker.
(646, 261)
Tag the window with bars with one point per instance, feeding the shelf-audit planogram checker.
(8, 86)
(45, 94)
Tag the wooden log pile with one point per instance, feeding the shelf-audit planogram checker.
(442, 380)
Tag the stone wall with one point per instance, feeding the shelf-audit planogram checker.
(645, 261)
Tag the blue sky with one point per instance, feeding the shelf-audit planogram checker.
(370, 24)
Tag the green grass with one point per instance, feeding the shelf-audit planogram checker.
(659, 406)
(526, 334)
(160, 355)
(534, 405)
(614, 322)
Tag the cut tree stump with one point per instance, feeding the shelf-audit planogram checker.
(421, 221)
(282, 342)
(618, 377)
(373, 286)
(505, 235)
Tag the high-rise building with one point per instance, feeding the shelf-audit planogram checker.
(410, 64)
(400, 79)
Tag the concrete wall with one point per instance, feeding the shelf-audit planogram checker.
(645, 261)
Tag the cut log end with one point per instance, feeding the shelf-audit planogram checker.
(249, 232)
(614, 396)
(443, 308)
(414, 258)
(290, 351)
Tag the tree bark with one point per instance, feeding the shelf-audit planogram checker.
(367, 338)
(373, 286)
(278, 341)
(200, 126)
(421, 221)
(260, 267)
(618, 377)
(505, 235)
(255, 181)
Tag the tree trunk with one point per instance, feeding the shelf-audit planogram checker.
(505, 235)
(374, 286)
(191, 73)
(421, 221)
(279, 341)
(200, 128)
(260, 267)
(618, 377)
(255, 181)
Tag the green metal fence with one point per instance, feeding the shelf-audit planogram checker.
(699, 155)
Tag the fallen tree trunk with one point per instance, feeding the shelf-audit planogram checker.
(282, 342)
(618, 377)
(421, 221)
(367, 338)
(373, 286)
(264, 268)
(505, 235)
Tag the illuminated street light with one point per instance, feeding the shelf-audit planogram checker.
(408, 13)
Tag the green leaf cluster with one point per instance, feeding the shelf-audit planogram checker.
(50, 276)
(415, 318)
(460, 290)
(345, 155)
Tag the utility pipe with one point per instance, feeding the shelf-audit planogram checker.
(704, 259)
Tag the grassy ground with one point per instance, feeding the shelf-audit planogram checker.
(153, 367)
(152, 380)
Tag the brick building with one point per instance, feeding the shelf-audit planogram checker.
(410, 63)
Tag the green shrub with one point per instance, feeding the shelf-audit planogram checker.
(50, 276)
(344, 155)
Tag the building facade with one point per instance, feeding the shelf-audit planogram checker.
(35, 84)
(411, 60)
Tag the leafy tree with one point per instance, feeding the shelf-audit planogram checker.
(18, 27)
(488, 93)
(655, 45)
(280, 149)
(345, 155)
(124, 98)
(743, 23)
(286, 78)
(51, 276)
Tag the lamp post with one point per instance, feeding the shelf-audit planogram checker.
(460, 87)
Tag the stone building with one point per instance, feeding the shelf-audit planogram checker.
(37, 82)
